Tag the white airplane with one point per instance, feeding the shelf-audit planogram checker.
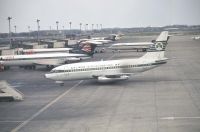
(99, 41)
(116, 36)
(196, 37)
(163, 37)
(111, 70)
(85, 41)
(112, 37)
(47, 50)
(49, 59)
(103, 41)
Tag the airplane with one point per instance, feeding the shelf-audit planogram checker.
(140, 45)
(84, 41)
(103, 41)
(196, 37)
(111, 70)
(99, 41)
(47, 50)
(30, 61)
(116, 36)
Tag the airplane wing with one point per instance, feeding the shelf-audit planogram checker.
(112, 78)
(54, 62)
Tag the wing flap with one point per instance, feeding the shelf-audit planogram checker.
(112, 75)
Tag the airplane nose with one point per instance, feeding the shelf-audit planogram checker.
(46, 76)
(50, 76)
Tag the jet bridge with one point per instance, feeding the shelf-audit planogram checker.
(8, 93)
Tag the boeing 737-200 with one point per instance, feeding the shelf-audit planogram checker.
(111, 70)
(140, 45)
(48, 59)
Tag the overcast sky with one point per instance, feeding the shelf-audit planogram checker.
(109, 13)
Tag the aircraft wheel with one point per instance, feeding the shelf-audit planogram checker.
(61, 84)
(6, 67)
(52, 66)
(47, 66)
(33, 67)
(144, 50)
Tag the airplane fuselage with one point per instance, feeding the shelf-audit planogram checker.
(131, 46)
(39, 59)
(92, 70)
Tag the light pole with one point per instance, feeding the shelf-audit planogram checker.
(80, 26)
(15, 28)
(29, 31)
(92, 26)
(57, 24)
(9, 18)
(97, 26)
(38, 26)
(70, 25)
(50, 28)
(101, 26)
(86, 26)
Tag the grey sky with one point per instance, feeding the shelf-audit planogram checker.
(110, 13)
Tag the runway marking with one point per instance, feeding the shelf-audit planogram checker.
(44, 108)
(111, 57)
(10, 121)
(176, 118)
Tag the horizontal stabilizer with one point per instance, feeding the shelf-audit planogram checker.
(154, 55)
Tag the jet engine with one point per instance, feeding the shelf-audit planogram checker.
(72, 60)
(103, 79)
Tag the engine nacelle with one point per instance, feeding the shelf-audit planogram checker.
(103, 79)
(61, 83)
(72, 60)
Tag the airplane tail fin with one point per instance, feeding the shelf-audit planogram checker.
(159, 55)
(163, 37)
(87, 48)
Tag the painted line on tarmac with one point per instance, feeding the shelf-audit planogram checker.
(44, 108)
(111, 57)
(176, 118)
(9, 121)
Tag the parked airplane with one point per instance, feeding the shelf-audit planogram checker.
(112, 37)
(111, 70)
(163, 37)
(196, 37)
(49, 59)
(47, 50)
(99, 41)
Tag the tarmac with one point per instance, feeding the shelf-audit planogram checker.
(165, 99)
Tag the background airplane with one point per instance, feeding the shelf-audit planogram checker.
(47, 50)
(143, 46)
(50, 60)
(99, 41)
